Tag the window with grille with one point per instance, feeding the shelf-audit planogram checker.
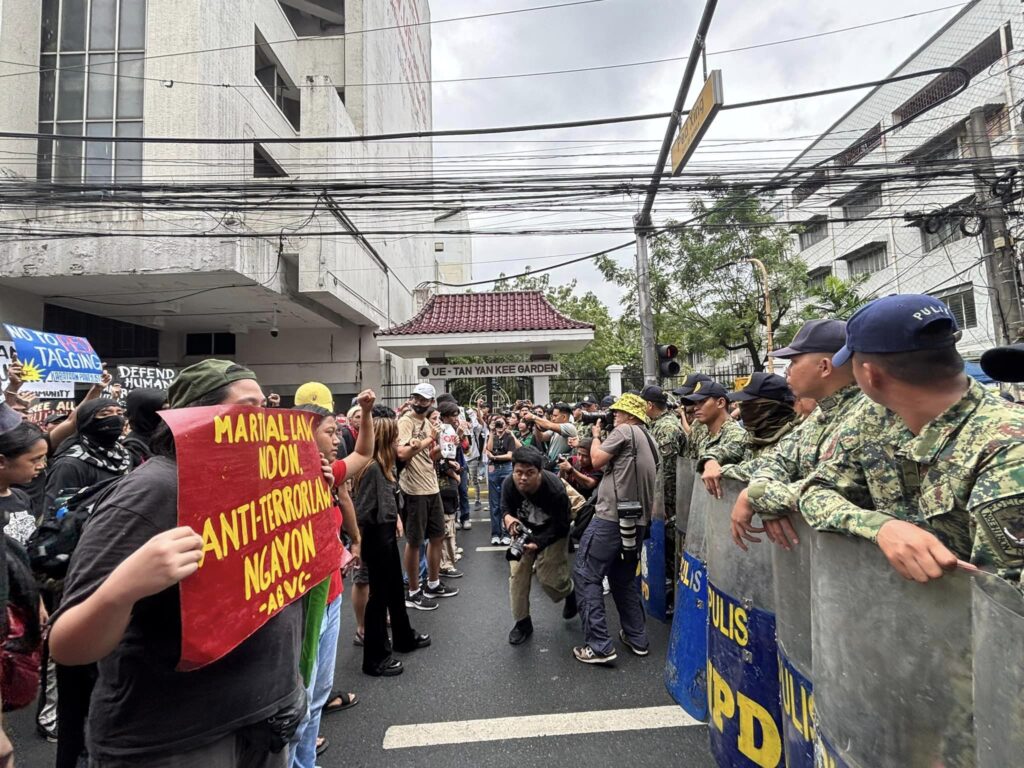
(978, 59)
(806, 188)
(91, 84)
(815, 230)
(867, 260)
(872, 139)
(862, 203)
(816, 278)
(960, 301)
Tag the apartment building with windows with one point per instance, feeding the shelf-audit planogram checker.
(853, 209)
(242, 69)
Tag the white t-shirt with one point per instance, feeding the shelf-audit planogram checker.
(448, 441)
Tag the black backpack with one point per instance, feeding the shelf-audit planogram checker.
(50, 547)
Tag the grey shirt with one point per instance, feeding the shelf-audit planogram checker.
(626, 478)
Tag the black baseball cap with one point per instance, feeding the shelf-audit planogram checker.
(655, 394)
(607, 400)
(770, 386)
(815, 336)
(703, 390)
(1004, 363)
(690, 382)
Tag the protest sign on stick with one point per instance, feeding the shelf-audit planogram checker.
(250, 483)
(54, 357)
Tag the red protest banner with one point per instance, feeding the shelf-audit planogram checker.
(250, 483)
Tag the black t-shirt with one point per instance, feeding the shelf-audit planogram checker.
(19, 522)
(500, 445)
(140, 704)
(545, 513)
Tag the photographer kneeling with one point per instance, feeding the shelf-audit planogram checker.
(537, 517)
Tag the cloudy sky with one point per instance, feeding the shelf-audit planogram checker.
(624, 31)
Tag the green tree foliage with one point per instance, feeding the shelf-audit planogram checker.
(705, 297)
(835, 298)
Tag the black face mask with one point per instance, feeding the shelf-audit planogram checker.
(420, 409)
(106, 431)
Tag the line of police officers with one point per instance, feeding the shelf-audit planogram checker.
(904, 448)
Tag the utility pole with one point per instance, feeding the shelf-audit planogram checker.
(642, 221)
(1004, 294)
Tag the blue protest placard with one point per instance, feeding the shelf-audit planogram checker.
(53, 357)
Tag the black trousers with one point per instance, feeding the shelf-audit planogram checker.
(74, 689)
(387, 596)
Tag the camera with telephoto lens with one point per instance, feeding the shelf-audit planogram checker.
(630, 513)
(518, 545)
(593, 418)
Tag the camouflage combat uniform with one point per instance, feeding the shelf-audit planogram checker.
(757, 451)
(727, 447)
(961, 479)
(690, 445)
(775, 482)
(666, 430)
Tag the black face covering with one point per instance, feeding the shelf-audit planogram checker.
(420, 409)
(764, 419)
(106, 431)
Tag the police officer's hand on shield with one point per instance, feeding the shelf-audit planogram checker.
(915, 554)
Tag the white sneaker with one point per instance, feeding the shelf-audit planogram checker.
(495, 541)
(467, 525)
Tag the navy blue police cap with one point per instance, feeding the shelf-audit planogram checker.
(897, 324)
(770, 386)
(702, 390)
(690, 383)
(827, 336)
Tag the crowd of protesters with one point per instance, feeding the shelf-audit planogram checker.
(93, 553)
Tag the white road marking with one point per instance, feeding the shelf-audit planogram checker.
(535, 726)
(491, 549)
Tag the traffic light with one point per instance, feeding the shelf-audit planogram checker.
(668, 366)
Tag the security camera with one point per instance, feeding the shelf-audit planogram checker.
(274, 331)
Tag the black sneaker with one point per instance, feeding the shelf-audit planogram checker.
(587, 655)
(521, 631)
(637, 650)
(570, 609)
(420, 602)
(452, 573)
(439, 591)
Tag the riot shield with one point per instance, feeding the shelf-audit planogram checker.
(745, 715)
(998, 672)
(685, 473)
(892, 661)
(653, 571)
(686, 665)
(791, 570)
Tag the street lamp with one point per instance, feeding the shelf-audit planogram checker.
(770, 363)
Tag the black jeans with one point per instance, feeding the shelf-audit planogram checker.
(387, 596)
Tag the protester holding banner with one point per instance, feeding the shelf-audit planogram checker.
(323, 603)
(122, 608)
(775, 484)
(931, 470)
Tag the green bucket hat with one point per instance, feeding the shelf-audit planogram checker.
(202, 378)
(634, 405)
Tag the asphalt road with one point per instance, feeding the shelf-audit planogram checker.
(472, 673)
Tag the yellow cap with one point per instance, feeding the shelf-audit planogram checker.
(315, 393)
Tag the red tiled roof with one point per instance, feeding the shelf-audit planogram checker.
(499, 312)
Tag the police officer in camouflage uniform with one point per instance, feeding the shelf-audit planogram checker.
(767, 414)
(666, 431)
(775, 483)
(726, 441)
(694, 434)
(932, 470)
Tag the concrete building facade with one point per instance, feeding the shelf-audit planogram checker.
(853, 210)
(243, 69)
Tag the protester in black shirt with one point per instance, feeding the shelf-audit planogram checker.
(142, 407)
(537, 499)
(122, 609)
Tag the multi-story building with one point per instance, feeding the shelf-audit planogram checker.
(853, 207)
(181, 284)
